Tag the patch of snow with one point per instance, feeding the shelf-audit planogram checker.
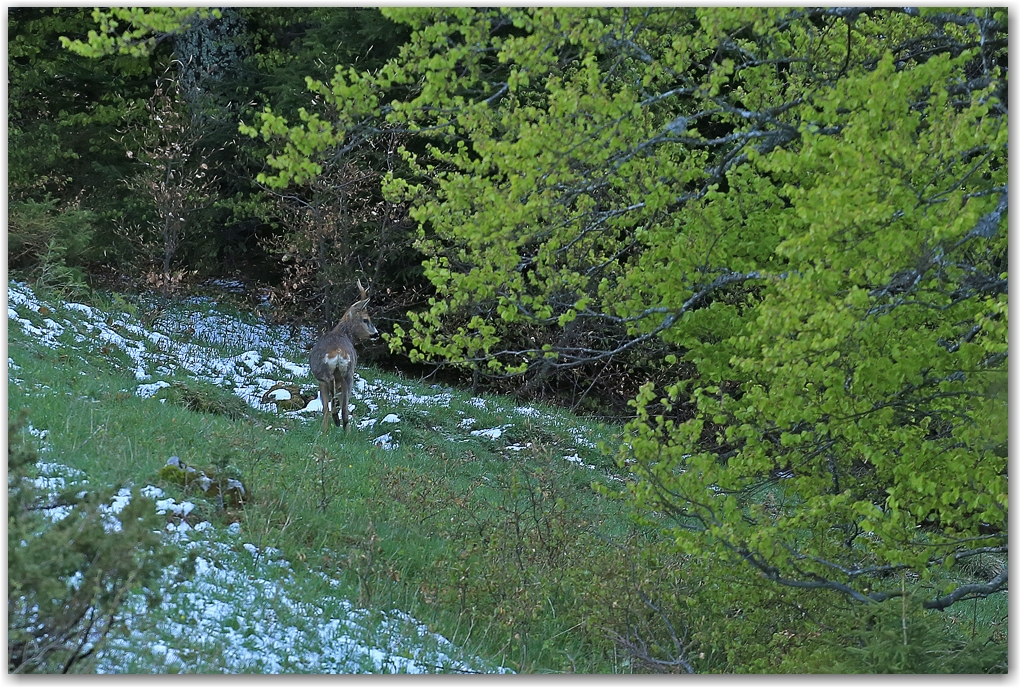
(179, 529)
(391, 418)
(170, 505)
(40, 434)
(80, 307)
(576, 459)
(578, 436)
(491, 433)
(294, 369)
(397, 394)
(242, 614)
(314, 406)
(280, 395)
(385, 442)
(150, 390)
(120, 500)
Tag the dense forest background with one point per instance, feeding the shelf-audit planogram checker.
(771, 240)
(131, 170)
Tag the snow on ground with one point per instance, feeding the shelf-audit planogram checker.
(241, 611)
(491, 433)
(248, 358)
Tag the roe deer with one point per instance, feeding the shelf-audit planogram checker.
(333, 359)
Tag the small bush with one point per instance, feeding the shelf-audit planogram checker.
(50, 244)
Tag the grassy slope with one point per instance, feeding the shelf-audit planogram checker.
(494, 539)
(386, 522)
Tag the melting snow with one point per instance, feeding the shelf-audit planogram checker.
(576, 459)
(150, 390)
(243, 614)
(492, 433)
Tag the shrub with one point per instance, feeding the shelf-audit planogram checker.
(51, 244)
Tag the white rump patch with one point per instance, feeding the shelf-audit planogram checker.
(337, 363)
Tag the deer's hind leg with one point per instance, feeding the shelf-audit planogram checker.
(326, 396)
(337, 390)
(345, 398)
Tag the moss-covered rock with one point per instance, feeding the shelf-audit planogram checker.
(208, 482)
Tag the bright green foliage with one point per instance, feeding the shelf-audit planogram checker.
(806, 205)
(134, 31)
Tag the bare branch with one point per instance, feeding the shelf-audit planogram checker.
(970, 591)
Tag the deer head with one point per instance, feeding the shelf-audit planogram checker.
(357, 320)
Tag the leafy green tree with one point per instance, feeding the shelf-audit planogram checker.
(135, 31)
(801, 212)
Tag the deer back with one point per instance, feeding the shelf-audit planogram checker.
(334, 355)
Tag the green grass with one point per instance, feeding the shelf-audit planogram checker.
(391, 524)
(501, 545)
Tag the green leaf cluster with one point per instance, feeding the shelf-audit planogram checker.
(134, 31)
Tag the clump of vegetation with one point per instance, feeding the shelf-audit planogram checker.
(204, 397)
(48, 243)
